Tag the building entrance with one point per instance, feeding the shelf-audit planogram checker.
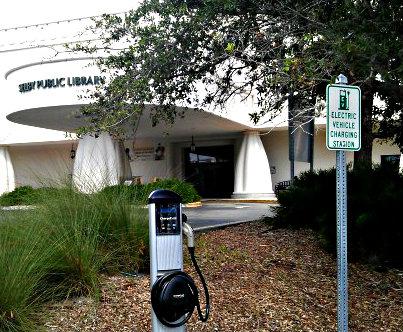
(211, 170)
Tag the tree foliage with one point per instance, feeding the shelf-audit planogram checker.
(205, 53)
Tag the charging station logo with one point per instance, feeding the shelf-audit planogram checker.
(344, 100)
(178, 296)
(168, 218)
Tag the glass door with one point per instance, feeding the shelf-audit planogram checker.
(211, 170)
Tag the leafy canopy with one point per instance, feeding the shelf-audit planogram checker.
(201, 53)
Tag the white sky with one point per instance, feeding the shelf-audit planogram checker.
(16, 13)
(24, 12)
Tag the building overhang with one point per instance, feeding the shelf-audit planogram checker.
(194, 122)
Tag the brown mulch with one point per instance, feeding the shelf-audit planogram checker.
(259, 280)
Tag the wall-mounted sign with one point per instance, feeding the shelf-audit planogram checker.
(61, 82)
(143, 154)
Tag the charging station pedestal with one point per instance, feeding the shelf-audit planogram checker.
(174, 295)
(165, 227)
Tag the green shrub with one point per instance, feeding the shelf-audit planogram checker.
(60, 248)
(24, 263)
(71, 226)
(124, 230)
(140, 192)
(375, 197)
(183, 189)
(19, 196)
(26, 195)
(96, 233)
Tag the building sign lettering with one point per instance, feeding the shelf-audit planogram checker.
(61, 82)
(142, 154)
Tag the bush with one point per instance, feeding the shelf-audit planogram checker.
(26, 195)
(59, 250)
(18, 196)
(140, 192)
(24, 263)
(375, 197)
(183, 189)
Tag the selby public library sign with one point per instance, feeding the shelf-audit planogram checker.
(61, 82)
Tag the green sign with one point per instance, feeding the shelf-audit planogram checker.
(343, 129)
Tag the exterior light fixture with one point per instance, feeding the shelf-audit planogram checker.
(159, 152)
(72, 152)
(127, 151)
(192, 146)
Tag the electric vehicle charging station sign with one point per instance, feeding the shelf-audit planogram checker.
(343, 129)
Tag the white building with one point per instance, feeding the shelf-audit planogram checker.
(232, 157)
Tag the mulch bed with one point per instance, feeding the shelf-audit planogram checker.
(259, 280)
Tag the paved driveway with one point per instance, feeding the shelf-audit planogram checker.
(212, 215)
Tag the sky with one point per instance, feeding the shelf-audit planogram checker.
(25, 12)
(21, 13)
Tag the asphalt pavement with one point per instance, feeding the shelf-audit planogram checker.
(216, 215)
(208, 216)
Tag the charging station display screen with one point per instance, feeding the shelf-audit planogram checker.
(167, 218)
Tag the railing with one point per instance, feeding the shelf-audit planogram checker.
(283, 185)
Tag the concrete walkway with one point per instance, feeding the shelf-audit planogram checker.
(216, 215)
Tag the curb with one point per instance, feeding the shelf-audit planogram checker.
(226, 201)
(220, 226)
(18, 207)
(192, 205)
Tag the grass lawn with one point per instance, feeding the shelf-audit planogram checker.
(259, 280)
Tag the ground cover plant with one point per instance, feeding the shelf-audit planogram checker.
(60, 249)
(375, 197)
(260, 279)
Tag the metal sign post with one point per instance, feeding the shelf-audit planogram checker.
(343, 132)
(341, 205)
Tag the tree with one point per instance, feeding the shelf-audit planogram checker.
(197, 53)
(364, 39)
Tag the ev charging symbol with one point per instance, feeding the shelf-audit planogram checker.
(344, 100)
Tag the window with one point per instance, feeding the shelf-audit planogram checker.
(391, 160)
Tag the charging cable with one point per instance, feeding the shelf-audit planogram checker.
(188, 230)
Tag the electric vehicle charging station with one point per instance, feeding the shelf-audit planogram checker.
(174, 294)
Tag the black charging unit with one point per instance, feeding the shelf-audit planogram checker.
(174, 295)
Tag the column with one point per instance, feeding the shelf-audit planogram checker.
(100, 162)
(7, 178)
(252, 170)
